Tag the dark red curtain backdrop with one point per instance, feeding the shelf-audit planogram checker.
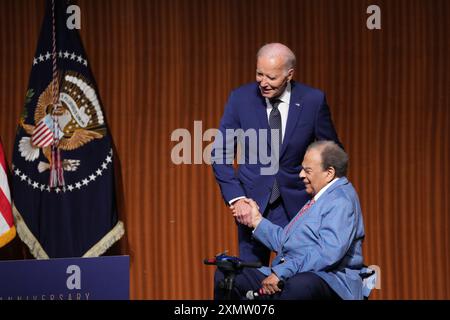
(161, 65)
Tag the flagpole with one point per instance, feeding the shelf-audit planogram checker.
(56, 169)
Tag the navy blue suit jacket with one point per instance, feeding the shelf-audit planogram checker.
(309, 119)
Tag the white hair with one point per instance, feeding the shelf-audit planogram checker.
(278, 50)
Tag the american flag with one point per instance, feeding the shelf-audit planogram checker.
(43, 133)
(7, 229)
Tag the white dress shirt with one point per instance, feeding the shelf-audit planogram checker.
(283, 106)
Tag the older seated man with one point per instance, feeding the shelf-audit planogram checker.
(319, 254)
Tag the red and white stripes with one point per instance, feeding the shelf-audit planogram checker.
(7, 229)
(43, 133)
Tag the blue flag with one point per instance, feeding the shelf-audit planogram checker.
(63, 177)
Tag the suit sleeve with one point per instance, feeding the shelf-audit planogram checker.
(223, 154)
(269, 234)
(324, 124)
(337, 230)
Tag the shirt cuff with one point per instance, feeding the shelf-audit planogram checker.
(235, 199)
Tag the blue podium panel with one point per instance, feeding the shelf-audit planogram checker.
(101, 278)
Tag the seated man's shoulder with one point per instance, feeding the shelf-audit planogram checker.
(341, 196)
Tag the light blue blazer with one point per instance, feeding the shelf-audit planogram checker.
(326, 240)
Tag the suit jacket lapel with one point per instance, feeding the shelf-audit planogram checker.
(261, 114)
(295, 110)
(261, 110)
(292, 229)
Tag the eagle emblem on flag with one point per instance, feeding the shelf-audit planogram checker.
(79, 118)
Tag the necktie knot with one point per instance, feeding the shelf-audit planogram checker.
(274, 102)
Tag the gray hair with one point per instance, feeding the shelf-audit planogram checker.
(332, 156)
(278, 50)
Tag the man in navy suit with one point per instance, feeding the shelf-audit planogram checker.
(319, 253)
(273, 120)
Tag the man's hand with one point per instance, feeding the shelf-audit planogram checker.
(253, 217)
(270, 284)
(241, 211)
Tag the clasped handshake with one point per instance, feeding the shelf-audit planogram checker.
(246, 212)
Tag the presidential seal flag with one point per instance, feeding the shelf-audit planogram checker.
(63, 177)
(7, 229)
